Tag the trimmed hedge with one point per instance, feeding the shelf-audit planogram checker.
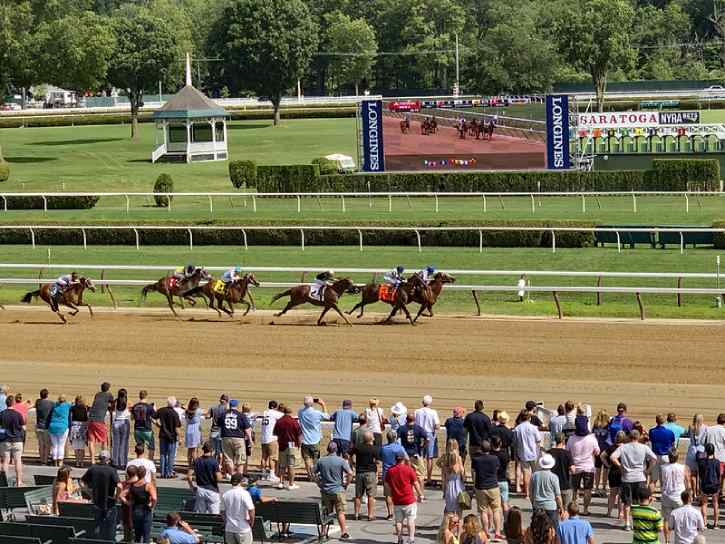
(694, 174)
(291, 237)
(54, 202)
(718, 237)
(243, 173)
(290, 178)
(327, 167)
(164, 184)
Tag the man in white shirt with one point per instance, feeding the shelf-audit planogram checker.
(141, 461)
(428, 420)
(270, 447)
(674, 478)
(238, 513)
(527, 439)
(685, 522)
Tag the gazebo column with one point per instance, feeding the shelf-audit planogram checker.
(188, 141)
(212, 122)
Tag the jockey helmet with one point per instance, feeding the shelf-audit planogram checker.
(400, 269)
(330, 273)
(238, 269)
(430, 269)
(189, 269)
(74, 275)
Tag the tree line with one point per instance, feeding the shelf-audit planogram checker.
(264, 47)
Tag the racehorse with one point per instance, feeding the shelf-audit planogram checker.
(427, 298)
(488, 129)
(171, 286)
(235, 293)
(462, 128)
(405, 125)
(402, 296)
(473, 129)
(72, 297)
(331, 294)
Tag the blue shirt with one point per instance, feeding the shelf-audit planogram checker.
(676, 429)
(388, 453)
(412, 438)
(310, 419)
(574, 531)
(343, 423)
(662, 439)
(177, 536)
(59, 418)
(255, 493)
(3, 402)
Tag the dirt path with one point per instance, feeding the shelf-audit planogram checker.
(652, 366)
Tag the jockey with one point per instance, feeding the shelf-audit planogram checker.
(395, 276)
(324, 278)
(183, 273)
(425, 274)
(232, 275)
(65, 281)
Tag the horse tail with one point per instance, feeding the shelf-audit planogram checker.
(27, 299)
(278, 296)
(147, 289)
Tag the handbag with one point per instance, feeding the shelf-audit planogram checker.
(464, 500)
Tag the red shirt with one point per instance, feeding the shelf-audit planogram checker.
(22, 408)
(401, 480)
(287, 429)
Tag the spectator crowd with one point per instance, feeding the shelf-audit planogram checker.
(659, 486)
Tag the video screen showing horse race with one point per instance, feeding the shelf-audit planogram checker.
(495, 133)
(403, 271)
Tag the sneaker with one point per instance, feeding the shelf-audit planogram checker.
(293, 487)
(272, 478)
(628, 527)
(280, 485)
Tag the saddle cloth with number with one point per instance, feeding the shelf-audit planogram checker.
(386, 292)
(218, 287)
(317, 292)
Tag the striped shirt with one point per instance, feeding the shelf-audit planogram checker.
(646, 524)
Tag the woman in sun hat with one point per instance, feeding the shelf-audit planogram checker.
(397, 419)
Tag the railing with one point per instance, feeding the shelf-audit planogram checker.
(242, 229)
(158, 152)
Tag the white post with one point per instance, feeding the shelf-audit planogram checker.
(188, 138)
(360, 238)
(480, 241)
(634, 202)
(244, 235)
(343, 203)
(682, 244)
(584, 204)
(390, 203)
(128, 204)
(533, 204)
(32, 238)
(436, 197)
(5, 203)
(213, 135)
(191, 240)
(619, 243)
(254, 203)
(138, 245)
(687, 203)
(299, 204)
(553, 241)
(45, 204)
(299, 92)
(302, 235)
(417, 234)
(484, 203)
(211, 206)
(83, 232)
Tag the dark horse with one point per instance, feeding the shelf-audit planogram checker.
(170, 286)
(462, 128)
(72, 297)
(235, 293)
(488, 129)
(403, 296)
(428, 297)
(301, 295)
(405, 125)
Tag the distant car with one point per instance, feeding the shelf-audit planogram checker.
(715, 88)
(405, 105)
(10, 106)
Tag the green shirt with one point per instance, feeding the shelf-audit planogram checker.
(646, 524)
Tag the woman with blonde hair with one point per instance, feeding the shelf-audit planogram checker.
(696, 432)
(450, 529)
(64, 490)
(451, 466)
(472, 532)
(600, 429)
(376, 421)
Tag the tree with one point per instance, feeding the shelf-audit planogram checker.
(266, 45)
(146, 52)
(16, 40)
(595, 36)
(354, 45)
(74, 52)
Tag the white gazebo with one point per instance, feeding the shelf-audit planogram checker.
(190, 126)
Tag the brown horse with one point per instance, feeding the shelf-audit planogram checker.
(404, 126)
(403, 295)
(170, 286)
(427, 298)
(301, 295)
(72, 297)
(235, 293)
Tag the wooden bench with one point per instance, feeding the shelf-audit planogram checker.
(14, 497)
(44, 479)
(77, 510)
(307, 512)
(86, 525)
(173, 499)
(45, 533)
(7, 539)
(39, 501)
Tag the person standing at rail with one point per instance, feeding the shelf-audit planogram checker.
(97, 429)
(428, 420)
(270, 444)
(43, 407)
(310, 420)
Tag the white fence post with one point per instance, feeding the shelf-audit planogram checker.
(128, 204)
(343, 203)
(360, 238)
(211, 206)
(682, 244)
(45, 204)
(634, 203)
(420, 247)
(32, 237)
(191, 240)
(584, 204)
(5, 203)
(302, 235)
(83, 232)
(619, 243)
(299, 204)
(553, 241)
(244, 236)
(138, 241)
(484, 203)
(436, 197)
(687, 203)
(480, 241)
(254, 203)
(390, 202)
(533, 203)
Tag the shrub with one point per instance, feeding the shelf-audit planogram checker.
(290, 178)
(327, 167)
(243, 173)
(54, 202)
(688, 174)
(4, 170)
(164, 184)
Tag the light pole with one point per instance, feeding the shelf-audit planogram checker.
(458, 68)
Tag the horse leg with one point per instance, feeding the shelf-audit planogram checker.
(253, 306)
(420, 311)
(334, 307)
(358, 305)
(74, 309)
(249, 307)
(407, 314)
(286, 309)
(392, 313)
(60, 315)
(319, 321)
(90, 310)
(170, 300)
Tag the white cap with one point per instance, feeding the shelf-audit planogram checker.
(427, 400)
(171, 401)
(547, 462)
(398, 409)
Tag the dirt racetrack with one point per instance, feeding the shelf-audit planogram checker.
(652, 366)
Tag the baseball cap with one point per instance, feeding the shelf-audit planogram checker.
(347, 403)
(105, 454)
(233, 403)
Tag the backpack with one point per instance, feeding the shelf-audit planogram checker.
(139, 414)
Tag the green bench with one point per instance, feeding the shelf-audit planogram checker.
(77, 510)
(14, 497)
(85, 525)
(44, 479)
(39, 501)
(173, 499)
(45, 533)
(90, 541)
(7, 539)
(305, 512)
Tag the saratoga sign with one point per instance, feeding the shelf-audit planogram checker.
(637, 119)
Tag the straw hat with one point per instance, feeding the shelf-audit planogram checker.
(398, 409)
(547, 462)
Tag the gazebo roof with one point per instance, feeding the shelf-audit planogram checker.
(189, 103)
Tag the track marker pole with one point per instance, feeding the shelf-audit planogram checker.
(244, 236)
(436, 197)
(83, 232)
(5, 203)
(390, 203)
(211, 206)
(687, 203)
(484, 203)
(45, 204)
(299, 204)
(32, 237)
(682, 244)
(138, 245)
(619, 243)
(480, 241)
(302, 235)
(191, 240)
(254, 203)
(344, 209)
(634, 203)
(553, 241)
(360, 238)
(420, 247)
(533, 204)
(584, 204)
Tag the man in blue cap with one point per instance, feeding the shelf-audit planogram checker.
(235, 428)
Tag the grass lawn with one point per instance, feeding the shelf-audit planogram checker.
(591, 259)
(104, 158)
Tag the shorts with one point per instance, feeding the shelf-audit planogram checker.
(216, 442)
(528, 465)
(657, 467)
(431, 446)
(668, 505)
(582, 480)
(238, 538)
(386, 490)
(311, 451)
(343, 446)
(97, 431)
(333, 502)
(405, 511)
(366, 483)
(418, 464)
(567, 495)
(271, 451)
(207, 501)
(145, 438)
(488, 499)
(710, 492)
(503, 488)
(289, 458)
(598, 461)
(234, 450)
(11, 448)
(629, 492)
(614, 478)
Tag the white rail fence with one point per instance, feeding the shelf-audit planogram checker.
(302, 229)
(534, 197)
(474, 289)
